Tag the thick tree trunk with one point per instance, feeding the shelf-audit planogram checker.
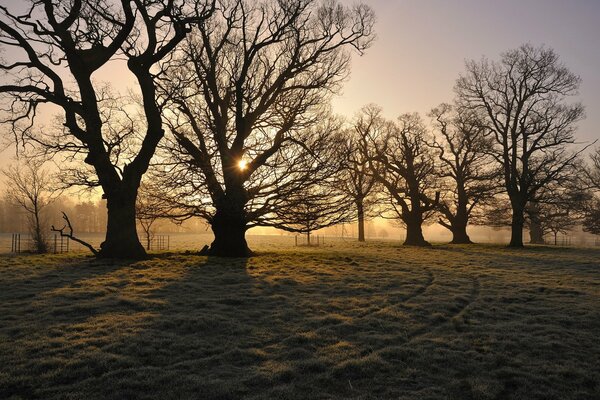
(459, 234)
(229, 228)
(122, 240)
(361, 221)
(518, 220)
(414, 232)
(536, 233)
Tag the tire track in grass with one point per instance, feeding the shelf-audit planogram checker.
(462, 308)
(429, 281)
(420, 290)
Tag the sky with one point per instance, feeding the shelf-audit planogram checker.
(422, 46)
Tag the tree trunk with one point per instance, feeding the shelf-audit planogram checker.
(536, 233)
(459, 233)
(229, 228)
(361, 220)
(414, 232)
(518, 220)
(122, 240)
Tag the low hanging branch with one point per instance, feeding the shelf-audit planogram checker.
(69, 234)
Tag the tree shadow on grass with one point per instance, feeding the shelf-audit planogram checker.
(298, 325)
(268, 327)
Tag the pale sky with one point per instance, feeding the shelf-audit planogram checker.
(422, 46)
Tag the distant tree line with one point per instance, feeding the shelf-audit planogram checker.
(230, 121)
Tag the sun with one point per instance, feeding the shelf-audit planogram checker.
(242, 165)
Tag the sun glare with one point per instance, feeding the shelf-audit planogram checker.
(242, 165)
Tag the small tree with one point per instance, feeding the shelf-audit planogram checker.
(356, 179)
(32, 188)
(149, 209)
(591, 220)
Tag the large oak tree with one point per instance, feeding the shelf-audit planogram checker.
(248, 84)
(404, 164)
(52, 51)
(469, 180)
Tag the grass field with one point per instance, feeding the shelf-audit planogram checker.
(375, 321)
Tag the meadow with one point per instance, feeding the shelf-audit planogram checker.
(341, 321)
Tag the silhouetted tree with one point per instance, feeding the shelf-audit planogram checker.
(591, 220)
(32, 188)
(149, 209)
(464, 168)
(404, 164)
(58, 46)
(248, 81)
(593, 171)
(357, 180)
(557, 208)
(522, 99)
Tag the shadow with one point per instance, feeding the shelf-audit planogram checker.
(292, 324)
(36, 273)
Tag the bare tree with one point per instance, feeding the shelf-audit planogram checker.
(357, 181)
(248, 83)
(522, 99)
(592, 171)
(404, 164)
(31, 187)
(149, 208)
(558, 207)
(463, 151)
(56, 47)
(591, 221)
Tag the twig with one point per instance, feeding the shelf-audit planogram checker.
(68, 225)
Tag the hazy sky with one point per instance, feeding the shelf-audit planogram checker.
(422, 46)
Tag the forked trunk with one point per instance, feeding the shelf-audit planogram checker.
(229, 228)
(122, 240)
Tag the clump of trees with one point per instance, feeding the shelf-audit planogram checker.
(521, 101)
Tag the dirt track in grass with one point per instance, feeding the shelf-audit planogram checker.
(343, 322)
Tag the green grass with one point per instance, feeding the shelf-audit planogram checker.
(376, 321)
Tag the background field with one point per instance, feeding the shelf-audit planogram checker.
(341, 321)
